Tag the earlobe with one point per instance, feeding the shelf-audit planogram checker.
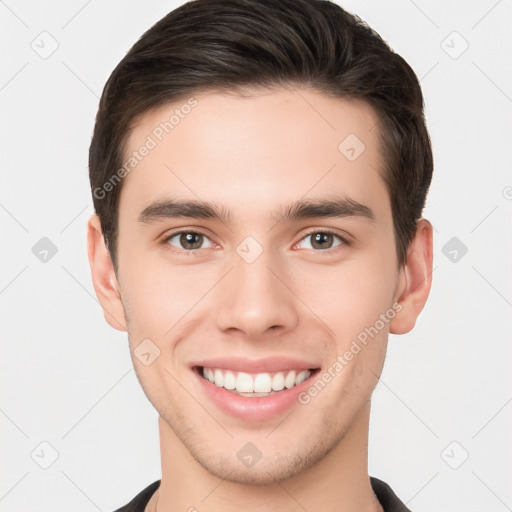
(415, 279)
(103, 276)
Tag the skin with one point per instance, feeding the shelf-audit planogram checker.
(253, 154)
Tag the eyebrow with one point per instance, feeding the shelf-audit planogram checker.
(330, 207)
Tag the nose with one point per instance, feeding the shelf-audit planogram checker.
(255, 298)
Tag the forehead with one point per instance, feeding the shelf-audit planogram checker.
(254, 150)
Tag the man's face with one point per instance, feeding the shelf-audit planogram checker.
(258, 292)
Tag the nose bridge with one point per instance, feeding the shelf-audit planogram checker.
(255, 299)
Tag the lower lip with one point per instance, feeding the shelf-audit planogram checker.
(253, 408)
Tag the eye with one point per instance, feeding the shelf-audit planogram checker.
(323, 240)
(186, 241)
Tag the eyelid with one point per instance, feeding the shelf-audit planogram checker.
(168, 235)
(331, 231)
(345, 238)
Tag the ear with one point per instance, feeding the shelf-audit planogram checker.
(415, 279)
(103, 276)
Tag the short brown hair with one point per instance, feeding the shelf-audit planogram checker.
(224, 45)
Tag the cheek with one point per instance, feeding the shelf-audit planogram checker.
(146, 279)
(163, 301)
(349, 296)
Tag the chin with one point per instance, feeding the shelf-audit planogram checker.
(266, 471)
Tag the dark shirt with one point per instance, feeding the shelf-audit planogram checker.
(387, 498)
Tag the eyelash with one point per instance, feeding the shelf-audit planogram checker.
(193, 252)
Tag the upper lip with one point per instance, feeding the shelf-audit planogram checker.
(262, 365)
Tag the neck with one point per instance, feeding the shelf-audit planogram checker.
(338, 482)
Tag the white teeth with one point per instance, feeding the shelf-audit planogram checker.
(244, 383)
(208, 374)
(219, 378)
(229, 380)
(261, 384)
(301, 377)
(278, 381)
(289, 381)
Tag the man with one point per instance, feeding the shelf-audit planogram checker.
(259, 170)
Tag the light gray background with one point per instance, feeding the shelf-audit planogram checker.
(66, 376)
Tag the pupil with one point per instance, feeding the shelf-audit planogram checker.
(320, 239)
(188, 238)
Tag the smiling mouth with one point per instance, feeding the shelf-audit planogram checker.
(255, 384)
